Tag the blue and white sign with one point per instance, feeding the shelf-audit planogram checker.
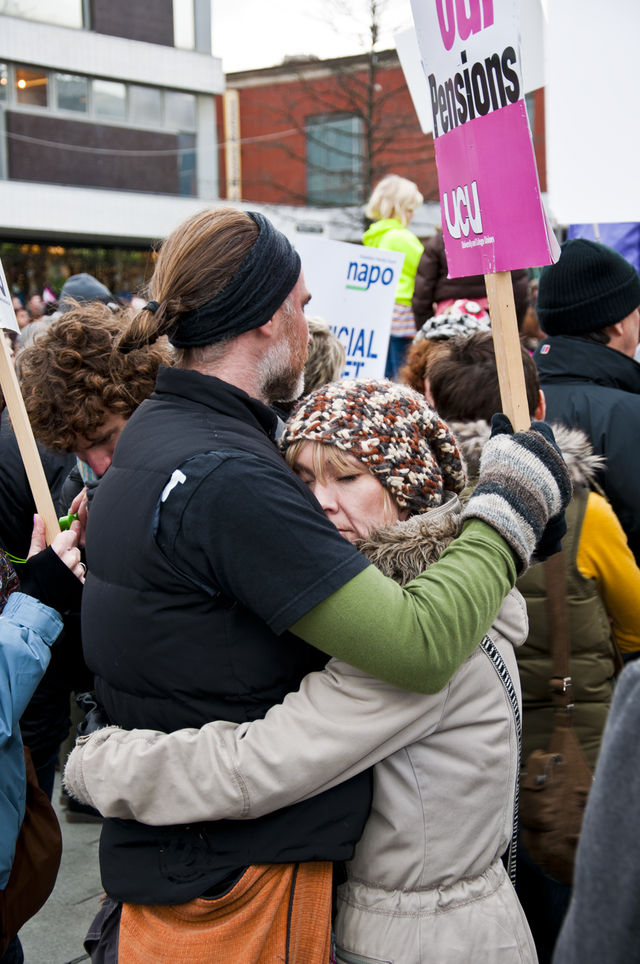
(353, 288)
(7, 314)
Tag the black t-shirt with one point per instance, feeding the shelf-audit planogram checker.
(241, 526)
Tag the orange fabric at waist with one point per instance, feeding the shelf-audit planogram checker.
(275, 912)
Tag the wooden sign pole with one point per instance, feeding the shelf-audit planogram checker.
(506, 341)
(27, 443)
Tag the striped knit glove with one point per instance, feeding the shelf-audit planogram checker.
(523, 489)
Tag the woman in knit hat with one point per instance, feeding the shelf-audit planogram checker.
(427, 883)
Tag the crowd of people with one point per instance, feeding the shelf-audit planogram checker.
(312, 611)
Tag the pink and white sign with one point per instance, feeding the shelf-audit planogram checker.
(7, 314)
(493, 218)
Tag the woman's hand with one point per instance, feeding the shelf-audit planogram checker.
(65, 546)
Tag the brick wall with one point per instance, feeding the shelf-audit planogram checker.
(273, 114)
(274, 106)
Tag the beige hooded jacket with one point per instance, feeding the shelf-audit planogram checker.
(426, 883)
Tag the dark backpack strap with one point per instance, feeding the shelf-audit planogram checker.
(555, 577)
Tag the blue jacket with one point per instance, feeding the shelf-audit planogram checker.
(27, 629)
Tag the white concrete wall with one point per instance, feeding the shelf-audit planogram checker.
(55, 212)
(94, 54)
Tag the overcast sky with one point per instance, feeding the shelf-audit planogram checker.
(260, 33)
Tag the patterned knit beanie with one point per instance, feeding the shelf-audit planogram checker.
(390, 429)
(590, 287)
(462, 318)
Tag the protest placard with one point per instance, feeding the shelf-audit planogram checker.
(493, 219)
(532, 22)
(353, 288)
(7, 314)
(19, 419)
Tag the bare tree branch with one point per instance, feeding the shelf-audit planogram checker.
(346, 115)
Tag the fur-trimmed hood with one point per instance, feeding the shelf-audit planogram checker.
(405, 549)
(575, 446)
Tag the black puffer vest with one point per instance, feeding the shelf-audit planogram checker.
(151, 636)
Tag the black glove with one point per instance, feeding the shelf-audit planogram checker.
(95, 715)
(523, 489)
(550, 541)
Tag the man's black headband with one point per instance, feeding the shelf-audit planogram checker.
(250, 297)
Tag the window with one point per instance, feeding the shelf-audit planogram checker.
(65, 13)
(31, 86)
(145, 105)
(184, 28)
(136, 104)
(109, 99)
(334, 159)
(71, 92)
(180, 111)
(187, 186)
(128, 105)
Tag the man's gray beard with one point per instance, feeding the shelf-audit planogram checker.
(278, 380)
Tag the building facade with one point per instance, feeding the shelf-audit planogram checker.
(116, 124)
(322, 133)
(319, 132)
(107, 119)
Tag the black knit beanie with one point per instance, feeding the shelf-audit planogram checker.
(590, 287)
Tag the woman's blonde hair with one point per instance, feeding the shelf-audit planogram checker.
(323, 455)
(326, 356)
(393, 197)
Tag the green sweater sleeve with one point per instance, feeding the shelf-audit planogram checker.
(416, 637)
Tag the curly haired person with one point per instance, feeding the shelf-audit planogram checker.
(78, 392)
